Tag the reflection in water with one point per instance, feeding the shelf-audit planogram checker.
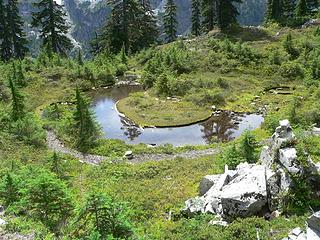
(224, 127)
(129, 128)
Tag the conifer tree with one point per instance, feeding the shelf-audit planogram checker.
(227, 13)
(15, 28)
(85, 126)
(18, 75)
(196, 17)
(9, 191)
(79, 58)
(209, 12)
(48, 200)
(313, 5)
(56, 165)
(274, 10)
(288, 7)
(301, 8)
(132, 23)
(18, 107)
(248, 147)
(5, 46)
(170, 20)
(51, 18)
(123, 55)
(107, 217)
(148, 24)
(122, 25)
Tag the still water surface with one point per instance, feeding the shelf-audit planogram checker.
(223, 127)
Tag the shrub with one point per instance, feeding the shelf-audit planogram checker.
(204, 97)
(292, 70)
(232, 157)
(121, 69)
(29, 130)
(223, 83)
(103, 215)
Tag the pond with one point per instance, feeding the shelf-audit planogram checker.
(223, 127)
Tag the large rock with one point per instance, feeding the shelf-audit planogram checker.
(238, 193)
(283, 136)
(288, 159)
(253, 189)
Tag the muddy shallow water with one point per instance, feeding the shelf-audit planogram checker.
(225, 126)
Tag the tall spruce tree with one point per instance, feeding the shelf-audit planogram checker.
(274, 10)
(227, 13)
(209, 13)
(288, 7)
(149, 28)
(122, 25)
(5, 46)
(302, 8)
(196, 17)
(132, 23)
(18, 107)
(51, 18)
(15, 30)
(86, 129)
(313, 6)
(170, 20)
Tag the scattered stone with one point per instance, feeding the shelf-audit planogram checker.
(2, 222)
(312, 232)
(311, 22)
(219, 223)
(214, 108)
(128, 155)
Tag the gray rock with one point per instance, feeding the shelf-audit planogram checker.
(287, 157)
(266, 157)
(312, 234)
(314, 221)
(207, 182)
(128, 155)
(194, 206)
(2, 222)
(238, 193)
(219, 223)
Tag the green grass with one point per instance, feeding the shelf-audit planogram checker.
(148, 111)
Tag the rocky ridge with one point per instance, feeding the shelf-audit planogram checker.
(255, 189)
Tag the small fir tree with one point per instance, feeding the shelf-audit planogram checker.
(106, 217)
(86, 129)
(18, 107)
(248, 147)
(9, 191)
(48, 200)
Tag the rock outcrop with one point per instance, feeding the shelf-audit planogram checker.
(312, 232)
(253, 189)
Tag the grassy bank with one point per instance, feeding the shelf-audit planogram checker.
(149, 111)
